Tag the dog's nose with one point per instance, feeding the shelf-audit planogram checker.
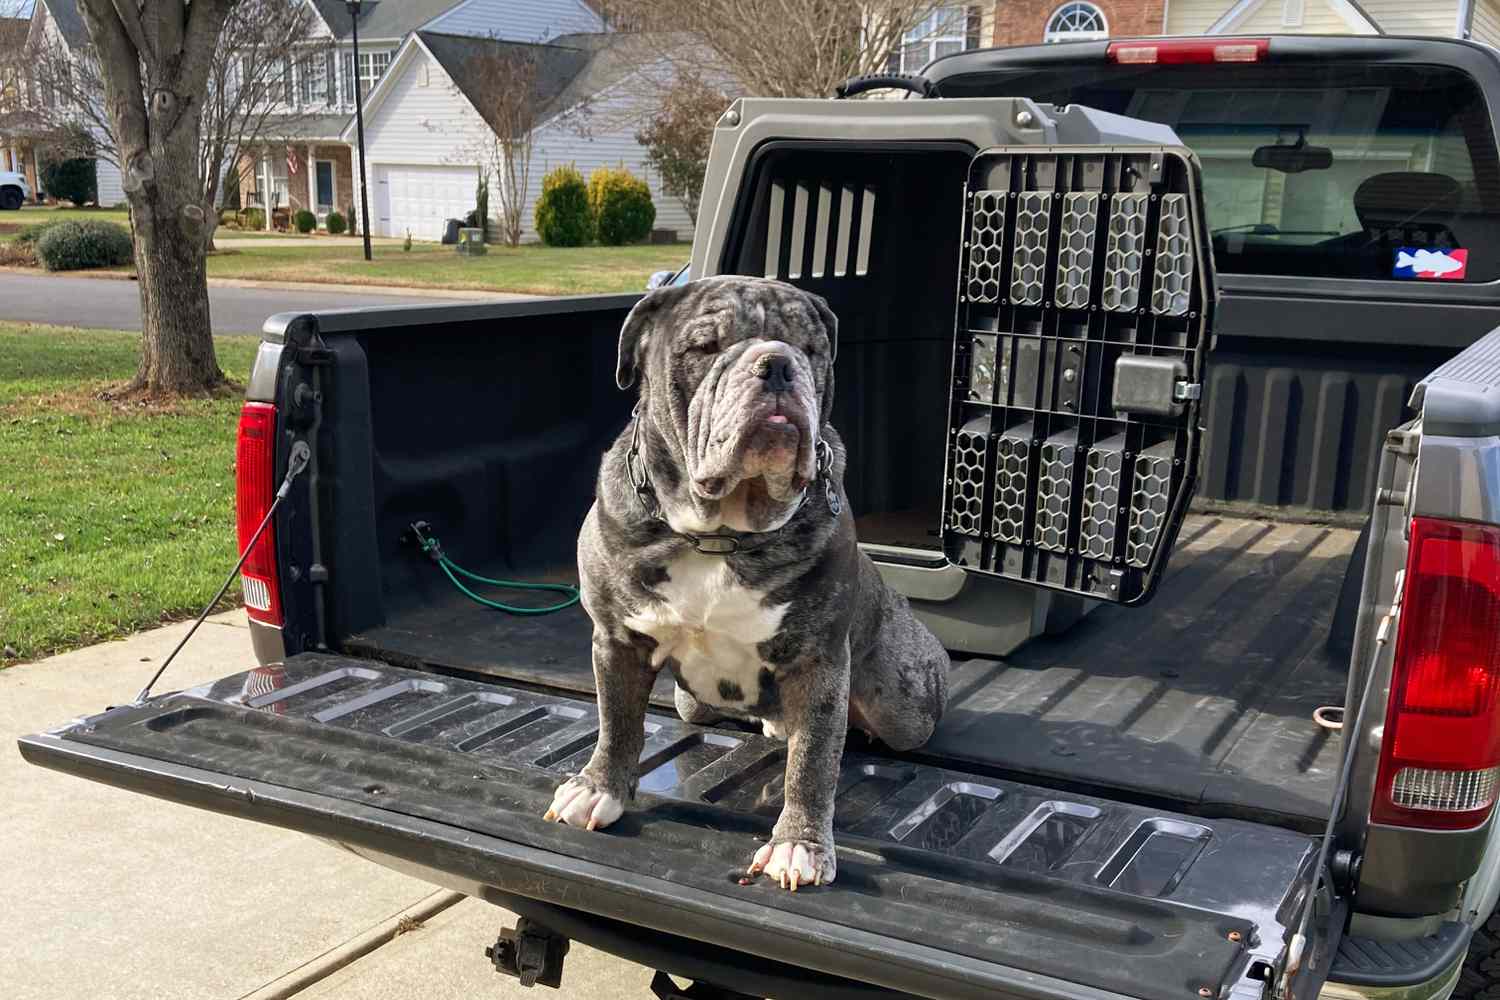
(776, 369)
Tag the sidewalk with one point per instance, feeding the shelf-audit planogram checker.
(115, 896)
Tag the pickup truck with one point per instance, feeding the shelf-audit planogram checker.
(13, 190)
(1242, 748)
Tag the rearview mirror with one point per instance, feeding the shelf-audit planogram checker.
(1292, 159)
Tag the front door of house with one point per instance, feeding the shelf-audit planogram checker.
(325, 187)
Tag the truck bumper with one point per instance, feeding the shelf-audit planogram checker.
(267, 642)
(1437, 987)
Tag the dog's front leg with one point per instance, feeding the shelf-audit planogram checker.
(815, 714)
(596, 796)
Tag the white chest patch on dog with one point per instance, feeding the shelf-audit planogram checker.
(711, 625)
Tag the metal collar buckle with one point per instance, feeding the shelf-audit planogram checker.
(715, 545)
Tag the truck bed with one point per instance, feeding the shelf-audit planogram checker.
(1203, 698)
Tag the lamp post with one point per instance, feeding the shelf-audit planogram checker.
(359, 124)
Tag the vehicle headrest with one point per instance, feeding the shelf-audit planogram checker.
(1405, 196)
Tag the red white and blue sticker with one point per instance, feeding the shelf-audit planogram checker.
(1431, 265)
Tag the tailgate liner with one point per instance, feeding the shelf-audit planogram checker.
(995, 874)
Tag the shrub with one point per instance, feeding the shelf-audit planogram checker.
(562, 211)
(255, 218)
(407, 244)
(70, 246)
(70, 180)
(229, 217)
(335, 223)
(621, 205)
(30, 234)
(305, 221)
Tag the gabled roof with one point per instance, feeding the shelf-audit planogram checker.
(69, 21)
(461, 55)
(382, 18)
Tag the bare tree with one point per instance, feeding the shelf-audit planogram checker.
(782, 48)
(512, 108)
(173, 93)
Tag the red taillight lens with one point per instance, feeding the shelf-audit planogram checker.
(1185, 51)
(255, 489)
(1440, 756)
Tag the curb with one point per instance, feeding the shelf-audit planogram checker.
(469, 294)
(331, 961)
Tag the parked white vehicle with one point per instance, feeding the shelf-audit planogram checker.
(13, 190)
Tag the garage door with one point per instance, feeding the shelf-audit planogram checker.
(420, 199)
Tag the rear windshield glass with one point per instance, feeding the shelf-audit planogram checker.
(1346, 171)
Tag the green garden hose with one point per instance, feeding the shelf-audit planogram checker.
(422, 533)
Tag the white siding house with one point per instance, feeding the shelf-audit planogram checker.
(425, 139)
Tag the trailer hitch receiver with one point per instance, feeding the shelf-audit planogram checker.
(529, 952)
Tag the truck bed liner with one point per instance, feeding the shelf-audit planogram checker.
(1101, 893)
(1204, 696)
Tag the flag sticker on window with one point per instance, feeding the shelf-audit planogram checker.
(1430, 265)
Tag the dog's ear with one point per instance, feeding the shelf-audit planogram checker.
(637, 326)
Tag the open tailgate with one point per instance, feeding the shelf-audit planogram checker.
(950, 884)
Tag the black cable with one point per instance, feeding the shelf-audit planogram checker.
(295, 464)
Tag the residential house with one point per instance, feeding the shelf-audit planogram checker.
(58, 25)
(428, 124)
(15, 152)
(1028, 22)
(310, 164)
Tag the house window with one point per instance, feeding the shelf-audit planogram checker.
(943, 32)
(1076, 22)
(372, 66)
(315, 84)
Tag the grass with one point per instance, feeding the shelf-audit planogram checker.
(537, 270)
(112, 517)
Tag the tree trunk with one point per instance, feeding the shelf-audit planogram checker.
(177, 344)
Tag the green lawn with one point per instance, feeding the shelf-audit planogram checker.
(30, 214)
(536, 269)
(112, 518)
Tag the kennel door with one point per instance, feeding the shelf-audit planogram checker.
(1084, 309)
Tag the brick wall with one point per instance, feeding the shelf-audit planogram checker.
(1024, 22)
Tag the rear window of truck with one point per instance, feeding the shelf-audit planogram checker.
(1338, 170)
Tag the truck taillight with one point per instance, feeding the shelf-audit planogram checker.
(255, 489)
(1440, 755)
(1188, 51)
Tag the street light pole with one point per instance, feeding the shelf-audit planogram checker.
(359, 124)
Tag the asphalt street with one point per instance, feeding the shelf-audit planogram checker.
(115, 305)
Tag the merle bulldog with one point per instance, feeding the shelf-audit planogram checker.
(720, 547)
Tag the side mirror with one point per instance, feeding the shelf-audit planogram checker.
(659, 278)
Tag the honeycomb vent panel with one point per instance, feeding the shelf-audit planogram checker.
(1054, 495)
(966, 505)
(1124, 253)
(1101, 498)
(1172, 292)
(1012, 466)
(1150, 498)
(986, 245)
(1028, 267)
(1075, 250)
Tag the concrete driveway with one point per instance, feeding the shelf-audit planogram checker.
(115, 896)
(116, 305)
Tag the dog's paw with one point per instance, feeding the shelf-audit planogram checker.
(579, 802)
(796, 862)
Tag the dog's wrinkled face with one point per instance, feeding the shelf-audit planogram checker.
(738, 381)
